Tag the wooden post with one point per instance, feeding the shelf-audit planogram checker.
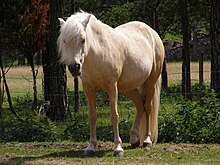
(201, 78)
(0, 95)
(195, 45)
(76, 94)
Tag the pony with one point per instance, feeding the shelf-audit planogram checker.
(126, 59)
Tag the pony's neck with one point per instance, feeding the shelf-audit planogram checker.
(97, 35)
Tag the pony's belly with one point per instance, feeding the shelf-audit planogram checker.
(134, 74)
(133, 81)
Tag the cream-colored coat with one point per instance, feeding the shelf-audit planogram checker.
(125, 59)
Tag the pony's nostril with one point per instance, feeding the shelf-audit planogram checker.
(75, 69)
(77, 66)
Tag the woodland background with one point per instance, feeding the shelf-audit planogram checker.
(28, 32)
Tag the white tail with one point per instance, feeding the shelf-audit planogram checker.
(153, 116)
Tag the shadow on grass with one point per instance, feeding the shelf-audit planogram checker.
(56, 155)
(59, 155)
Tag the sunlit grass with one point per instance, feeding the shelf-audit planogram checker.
(174, 71)
(20, 78)
(72, 153)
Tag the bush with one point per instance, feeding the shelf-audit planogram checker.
(192, 121)
(180, 120)
(37, 128)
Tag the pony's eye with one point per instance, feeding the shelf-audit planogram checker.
(83, 40)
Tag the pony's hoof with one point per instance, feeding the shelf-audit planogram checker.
(118, 153)
(89, 152)
(135, 145)
(147, 146)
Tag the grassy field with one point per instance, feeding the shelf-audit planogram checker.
(174, 71)
(72, 153)
(20, 78)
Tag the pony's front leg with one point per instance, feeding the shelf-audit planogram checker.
(91, 98)
(113, 96)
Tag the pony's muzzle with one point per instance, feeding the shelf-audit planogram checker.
(75, 69)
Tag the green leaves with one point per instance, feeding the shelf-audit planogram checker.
(194, 122)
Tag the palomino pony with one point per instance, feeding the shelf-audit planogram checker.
(126, 59)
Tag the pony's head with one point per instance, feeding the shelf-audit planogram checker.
(72, 41)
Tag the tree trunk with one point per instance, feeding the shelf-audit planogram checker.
(1, 101)
(215, 46)
(76, 94)
(186, 80)
(76, 89)
(201, 78)
(164, 74)
(30, 60)
(7, 90)
(54, 72)
(155, 25)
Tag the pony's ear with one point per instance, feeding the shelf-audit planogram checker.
(61, 21)
(86, 21)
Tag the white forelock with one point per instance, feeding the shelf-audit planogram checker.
(68, 32)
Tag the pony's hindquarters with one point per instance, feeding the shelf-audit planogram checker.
(148, 129)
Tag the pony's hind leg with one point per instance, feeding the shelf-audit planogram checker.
(113, 96)
(152, 89)
(91, 98)
(138, 100)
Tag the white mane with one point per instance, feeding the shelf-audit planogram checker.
(68, 32)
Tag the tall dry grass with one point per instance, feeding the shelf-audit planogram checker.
(20, 78)
(174, 71)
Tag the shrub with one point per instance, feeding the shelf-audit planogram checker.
(38, 128)
(180, 120)
(192, 121)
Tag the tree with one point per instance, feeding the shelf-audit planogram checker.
(54, 73)
(215, 46)
(33, 35)
(186, 79)
(7, 90)
(24, 31)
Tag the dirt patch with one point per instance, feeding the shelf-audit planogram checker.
(176, 148)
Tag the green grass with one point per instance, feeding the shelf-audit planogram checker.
(172, 37)
(67, 152)
(71, 135)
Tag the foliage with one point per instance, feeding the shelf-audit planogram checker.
(23, 25)
(179, 120)
(37, 128)
(11, 12)
(194, 122)
(35, 26)
(161, 15)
